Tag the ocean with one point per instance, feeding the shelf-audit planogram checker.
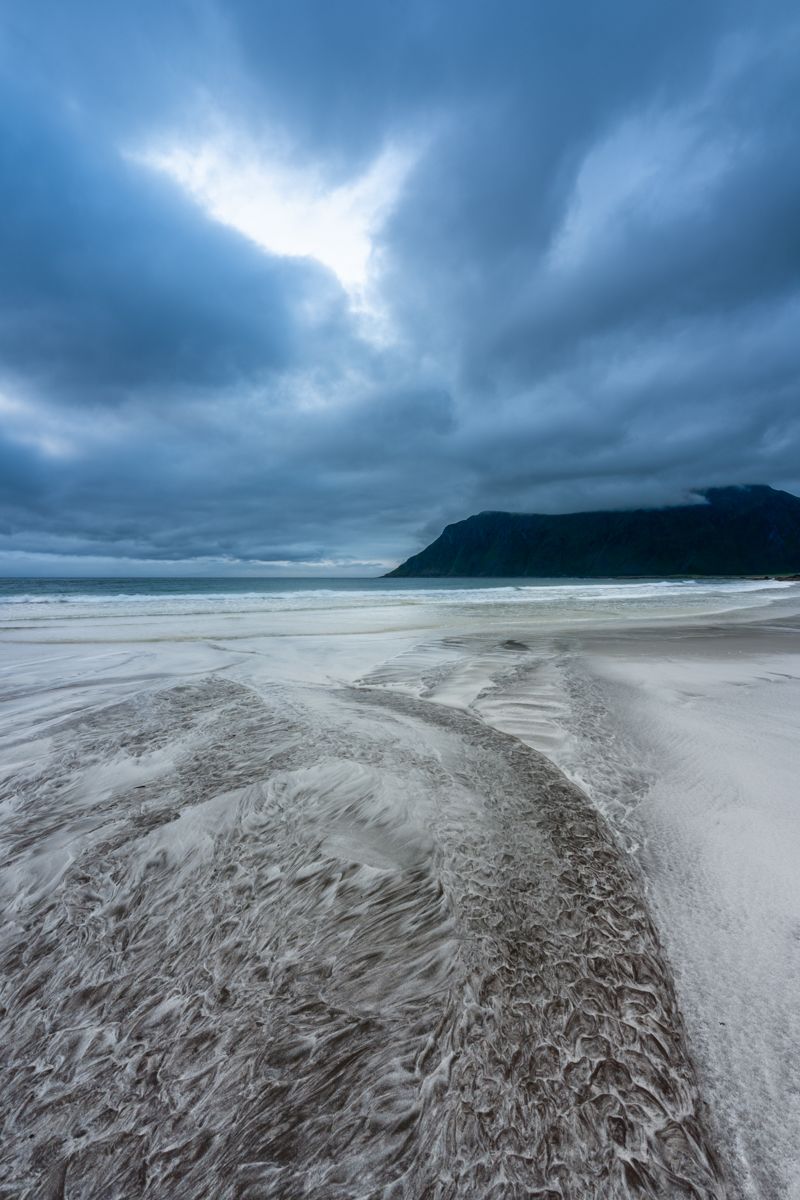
(547, 598)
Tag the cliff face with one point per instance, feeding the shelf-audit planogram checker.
(749, 530)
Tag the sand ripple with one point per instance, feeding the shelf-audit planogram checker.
(331, 946)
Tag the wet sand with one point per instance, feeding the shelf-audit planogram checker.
(315, 916)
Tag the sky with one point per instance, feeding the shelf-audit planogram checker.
(287, 285)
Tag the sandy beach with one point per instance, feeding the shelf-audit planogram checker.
(402, 892)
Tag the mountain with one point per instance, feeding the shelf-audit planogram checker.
(746, 530)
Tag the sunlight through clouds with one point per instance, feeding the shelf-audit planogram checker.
(285, 210)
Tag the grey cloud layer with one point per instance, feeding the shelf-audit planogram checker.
(592, 273)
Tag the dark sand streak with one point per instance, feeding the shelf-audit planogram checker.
(346, 945)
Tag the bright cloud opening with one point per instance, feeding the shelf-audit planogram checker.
(286, 210)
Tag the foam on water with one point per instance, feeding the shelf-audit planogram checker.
(198, 597)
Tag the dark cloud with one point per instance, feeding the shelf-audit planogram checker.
(588, 285)
(112, 283)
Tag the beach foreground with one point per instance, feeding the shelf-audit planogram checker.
(402, 892)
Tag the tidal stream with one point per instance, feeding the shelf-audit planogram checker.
(334, 943)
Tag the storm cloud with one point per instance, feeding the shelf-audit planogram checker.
(287, 286)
